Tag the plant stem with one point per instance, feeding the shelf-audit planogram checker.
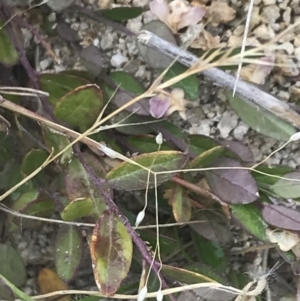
(99, 183)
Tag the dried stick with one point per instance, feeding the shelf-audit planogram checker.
(250, 93)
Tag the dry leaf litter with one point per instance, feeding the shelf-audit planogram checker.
(211, 115)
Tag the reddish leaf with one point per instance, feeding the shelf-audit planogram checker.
(111, 253)
(234, 186)
(281, 217)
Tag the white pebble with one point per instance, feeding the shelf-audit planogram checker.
(107, 41)
(287, 46)
(228, 122)
(240, 131)
(297, 53)
(44, 64)
(84, 26)
(117, 60)
(264, 32)
(269, 2)
(135, 25)
(202, 129)
(141, 71)
(52, 17)
(75, 26)
(270, 14)
(287, 16)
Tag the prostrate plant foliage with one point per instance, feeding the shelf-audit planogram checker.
(99, 156)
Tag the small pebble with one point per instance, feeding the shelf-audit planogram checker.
(52, 17)
(107, 41)
(44, 64)
(264, 32)
(228, 122)
(117, 60)
(240, 131)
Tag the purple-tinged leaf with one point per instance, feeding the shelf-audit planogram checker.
(240, 149)
(232, 185)
(281, 217)
(67, 33)
(111, 253)
(141, 107)
(79, 186)
(159, 105)
(91, 58)
(213, 227)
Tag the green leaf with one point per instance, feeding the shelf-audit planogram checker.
(145, 144)
(6, 172)
(82, 74)
(167, 244)
(181, 204)
(17, 292)
(208, 157)
(58, 142)
(30, 203)
(8, 53)
(128, 176)
(261, 120)
(80, 107)
(59, 84)
(33, 160)
(251, 219)
(189, 85)
(125, 81)
(288, 189)
(121, 13)
(12, 266)
(78, 208)
(185, 276)
(200, 143)
(175, 130)
(79, 186)
(68, 252)
(209, 252)
(14, 177)
(6, 149)
(111, 252)
(279, 170)
(207, 271)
